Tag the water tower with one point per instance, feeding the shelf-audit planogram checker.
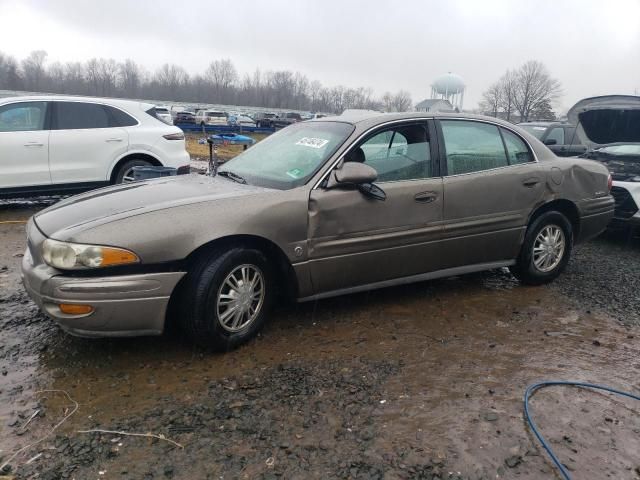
(449, 87)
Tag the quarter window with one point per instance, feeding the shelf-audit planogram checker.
(472, 146)
(516, 148)
(118, 118)
(22, 117)
(78, 115)
(556, 134)
(401, 153)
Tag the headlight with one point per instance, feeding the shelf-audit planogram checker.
(74, 256)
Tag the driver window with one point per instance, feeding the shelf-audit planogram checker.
(400, 153)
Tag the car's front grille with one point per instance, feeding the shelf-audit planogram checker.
(625, 205)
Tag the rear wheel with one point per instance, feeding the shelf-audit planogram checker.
(125, 172)
(546, 249)
(226, 298)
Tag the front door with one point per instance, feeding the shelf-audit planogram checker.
(357, 240)
(492, 184)
(24, 145)
(83, 144)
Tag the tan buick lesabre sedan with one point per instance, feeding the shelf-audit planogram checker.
(321, 208)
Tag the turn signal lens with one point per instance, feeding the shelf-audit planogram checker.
(71, 309)
(117, 256)
(610, 182)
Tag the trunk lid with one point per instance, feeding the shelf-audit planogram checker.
(606, 120)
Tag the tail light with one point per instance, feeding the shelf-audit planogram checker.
(609, 183)
(174, 136)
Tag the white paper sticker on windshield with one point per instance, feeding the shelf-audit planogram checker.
(539, 128)
(312, 142)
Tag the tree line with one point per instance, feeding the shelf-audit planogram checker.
(219, 83)
(525, 93)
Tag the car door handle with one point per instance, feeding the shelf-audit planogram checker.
(34, 144)
(425, 197)
(113, 140)
(531, 182)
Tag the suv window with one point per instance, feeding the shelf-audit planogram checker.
(78, 115)
(118, 118)
(22, 117)
(556, 134)
(517, 150)
(400, 153)
(472, 146)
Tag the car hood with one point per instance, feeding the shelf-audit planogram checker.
(607, 120)
(136, 198)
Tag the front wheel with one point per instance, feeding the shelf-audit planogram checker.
(226, 298)
(546, 249)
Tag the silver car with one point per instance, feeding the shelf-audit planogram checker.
(322, 208)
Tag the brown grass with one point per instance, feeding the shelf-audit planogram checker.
(227, 152)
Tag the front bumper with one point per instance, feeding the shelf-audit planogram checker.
(123, 305)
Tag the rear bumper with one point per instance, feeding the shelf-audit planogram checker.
(596, 214)
(127, 305)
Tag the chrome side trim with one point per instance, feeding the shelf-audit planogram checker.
(447, 272)
(423, 119)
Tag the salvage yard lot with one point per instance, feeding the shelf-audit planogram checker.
(421, 381)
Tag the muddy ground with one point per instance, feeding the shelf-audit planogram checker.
(419, 382)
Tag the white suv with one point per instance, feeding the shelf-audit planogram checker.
(70, 144)
(210, 117)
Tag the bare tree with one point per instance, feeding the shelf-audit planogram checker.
(33, 69)
(57, 77)
(108, 73)
(222, 75)
(534, 87)
(401, 101)
(508, 83)
(492, 99)
(92, 75)
(130, 78)
(9, 76)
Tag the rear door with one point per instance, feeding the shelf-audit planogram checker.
(492, 183)
(24, 145)
(356, 240)
(84, 142)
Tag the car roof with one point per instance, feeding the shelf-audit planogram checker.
(118, 102)
(370, 119)
(547, 124)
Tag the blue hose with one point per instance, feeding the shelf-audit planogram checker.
(536, 386)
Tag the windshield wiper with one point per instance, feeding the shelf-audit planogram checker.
(233, 176)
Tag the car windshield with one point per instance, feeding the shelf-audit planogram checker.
(535, 130)
(288, 158)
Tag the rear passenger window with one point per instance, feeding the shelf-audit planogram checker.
(472, 146)
(119, 118)
(516, 148)
(78, 115)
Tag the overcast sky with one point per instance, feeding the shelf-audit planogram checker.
(592, 47)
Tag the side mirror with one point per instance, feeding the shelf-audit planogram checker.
(355, 173)
(550, 141)
(359, 175)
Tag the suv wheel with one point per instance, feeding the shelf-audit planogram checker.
(125, 172)
(546, 249)
(226, 298)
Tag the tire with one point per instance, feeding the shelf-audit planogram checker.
(205, 298)
(125, 171)
(533, 268)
